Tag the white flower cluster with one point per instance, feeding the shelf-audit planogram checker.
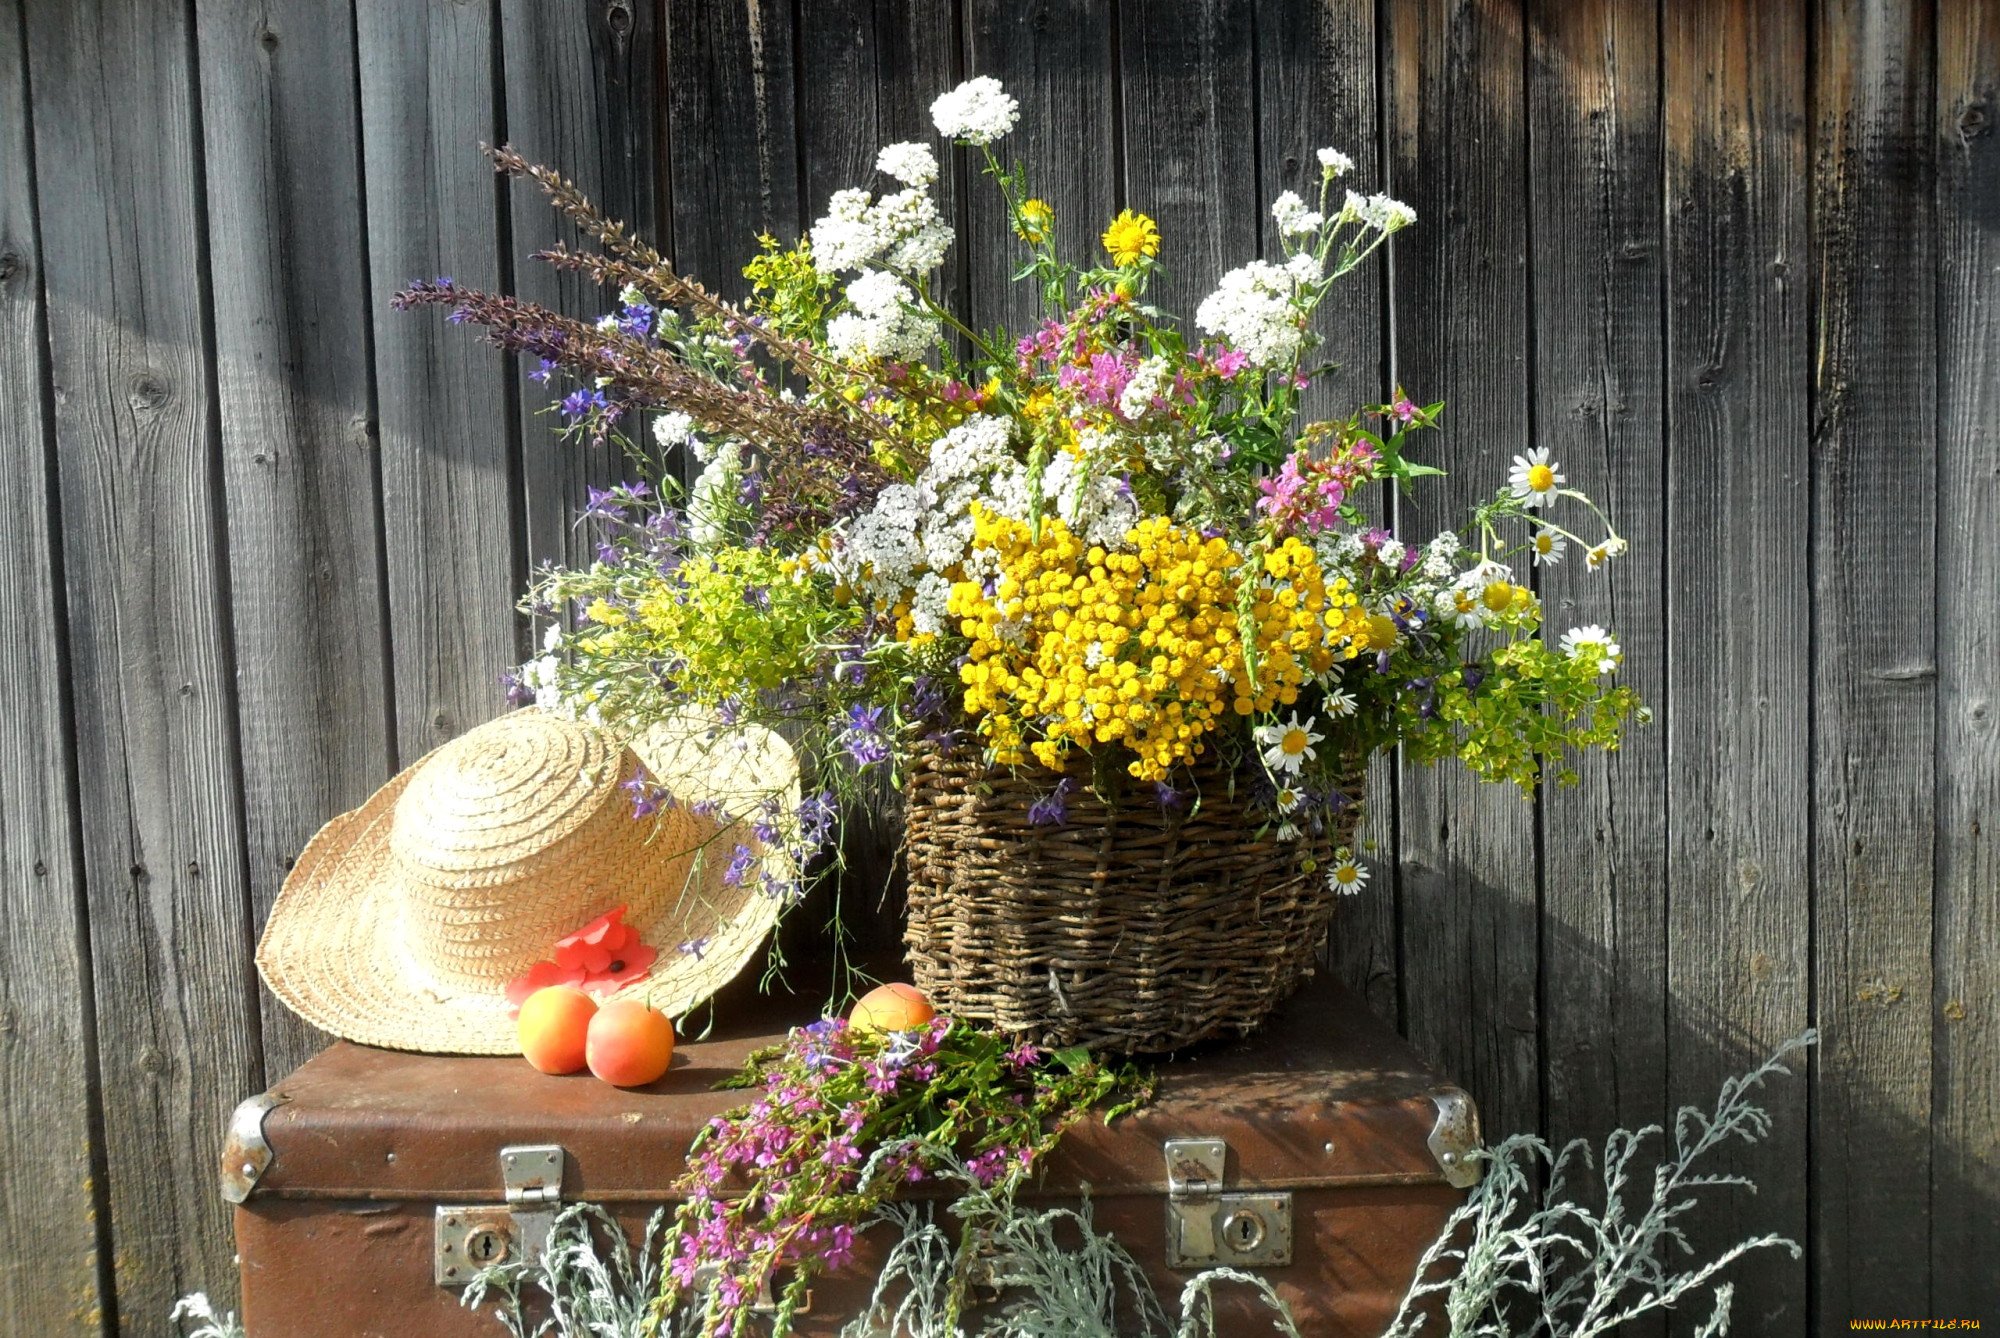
(902, 231)
(880, 552)
(1335, 163)
(1098, 508)
(978, 111)
(714, 495)
(884, 323)
(1294, 217)
(1256, 309)
(971, 463)
(1153, 379)
(910, 163)
(1380, 212)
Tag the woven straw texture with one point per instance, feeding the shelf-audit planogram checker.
(1128, 929)
(402, 922)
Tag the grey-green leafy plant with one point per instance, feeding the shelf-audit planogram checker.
(1512, 1264)
(1050, 1272)
(586, 1291)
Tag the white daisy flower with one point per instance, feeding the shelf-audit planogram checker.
(1594, 558)
(1592, 644)
(1347, 875)
(1548, 547)
(1287, 831)
(1339, 703)
(1288, 745)
(1535, 479)
(1288, 798)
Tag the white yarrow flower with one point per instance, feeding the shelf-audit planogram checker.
(912, 164)
(1335, 163)
(1152, 380)
(673, 429)
(1254, 309)
(978, 111)
(1292, 215)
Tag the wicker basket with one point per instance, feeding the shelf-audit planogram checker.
(1129, 929)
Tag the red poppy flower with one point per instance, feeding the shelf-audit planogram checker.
(602, 957)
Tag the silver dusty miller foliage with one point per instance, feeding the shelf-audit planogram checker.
(1510, 1264)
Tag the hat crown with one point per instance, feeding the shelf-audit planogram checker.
(512, 836)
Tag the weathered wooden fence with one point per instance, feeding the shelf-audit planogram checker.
(1738, 263)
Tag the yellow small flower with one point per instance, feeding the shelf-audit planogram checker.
(1130, 238)
(1032, 224)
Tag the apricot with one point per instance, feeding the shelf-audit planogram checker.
(629, 1044)
(893, 1007)
(553, 1023)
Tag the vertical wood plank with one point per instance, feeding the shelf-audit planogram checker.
(1467, 850)
(1056, 57)
(1965, 1112)
(1739, 595)
(1593, 72)
(875, 67)
(295, 392)
(1190, 135)
(448, 493)
(136, 432)
(1874, 670)
(733, 119)
(1316, 88)
(49, 1247)
(582, 96)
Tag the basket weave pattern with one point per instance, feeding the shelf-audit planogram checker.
(1129, 929)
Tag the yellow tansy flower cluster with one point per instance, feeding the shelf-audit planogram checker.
(1077, 646)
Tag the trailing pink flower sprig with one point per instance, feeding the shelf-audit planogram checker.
(841, 1121)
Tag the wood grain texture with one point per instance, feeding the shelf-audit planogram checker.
(1874, 671)
(140, 523)
(1739, 596)
(1965, 1082)
(732, 112)
(1457, 153)
(1594, 169)
(1317, 87)
(1056, 57)
(295, 391)
(876, 67)
(1190, 140)
(582, 92)
(449, 487)
(49, 1243)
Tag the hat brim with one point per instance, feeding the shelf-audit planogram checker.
(334, 952)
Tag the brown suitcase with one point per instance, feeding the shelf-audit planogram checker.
(1320, 1153)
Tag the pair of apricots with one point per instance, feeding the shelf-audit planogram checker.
(627, 1044)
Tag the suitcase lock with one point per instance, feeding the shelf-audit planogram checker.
(1206, 1227)
(467, 1239)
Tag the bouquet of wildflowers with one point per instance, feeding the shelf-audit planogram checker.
(842, 1118)
(1108, 547)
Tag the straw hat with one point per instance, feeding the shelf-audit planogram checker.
(403, 922)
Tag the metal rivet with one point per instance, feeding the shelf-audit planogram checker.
(249, 1168)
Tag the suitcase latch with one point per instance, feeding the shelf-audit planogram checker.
(468, 1238)
(1207, 1226)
